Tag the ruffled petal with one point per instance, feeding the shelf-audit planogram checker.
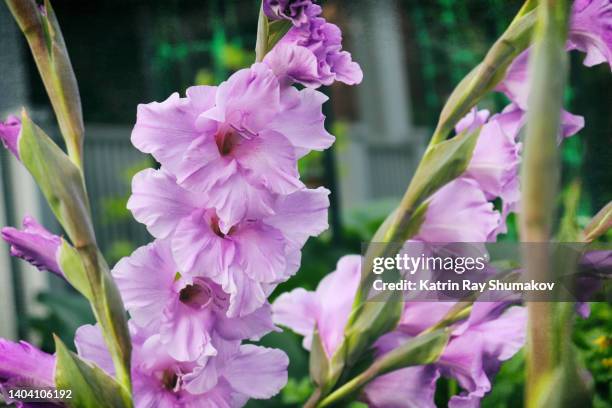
(261, 252)
(248, 100)
(301, 215)
(293, 63)
(258, 372)
(246, 294)
(298, 310)
(90, 345)
(237, 199)
(302, 121)
(412, 387)
(459, 212)
(591, 30)
(252, 326)
(165, 129)
(269, 160)
(159, 202)
(145, 280)
(199, 251)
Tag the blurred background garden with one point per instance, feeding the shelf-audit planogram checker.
(126, 52)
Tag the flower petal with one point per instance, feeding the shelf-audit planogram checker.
(159, 202)
(258, 372)
(145, 281)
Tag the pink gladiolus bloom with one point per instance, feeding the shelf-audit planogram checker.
(459, 212)
(234, 142)
(491, 334)
(235, 374)
(496, 157)
(185, 311)
(246, 258)
(405, 388)
(24, 366)
(327, 308)
(312, 54)
(591, 30)
(292, 10)
(516, 87)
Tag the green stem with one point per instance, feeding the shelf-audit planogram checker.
(539, 179)
(487, 74)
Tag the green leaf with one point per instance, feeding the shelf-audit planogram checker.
(116, 322)
(90, 386)
(441, 164)
(268, 34)
(421, 350)
(564, 388)
(484, 77)
(599, 225)
(319, 363)
(276, 31)
(296, 392)
(569, 230)
(263, 29)
(74, 270)
(59, 179)
(374, 318)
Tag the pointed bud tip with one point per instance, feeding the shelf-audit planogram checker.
(10, 132)
(34, 244)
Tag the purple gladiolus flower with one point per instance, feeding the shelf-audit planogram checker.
(185, 311)
(492, 333)
(516, 87)
(292, 10)
(35, 244)
(591, 30)
(312, 54)
(248, 258)
(9, 134)
(238, 142)
(459, 212)
(496, 158)
(227, 379)
(23, 365)
(495, 161)
(408, 387)
(327, 308)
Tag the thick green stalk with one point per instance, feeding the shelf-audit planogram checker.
(539, 180)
